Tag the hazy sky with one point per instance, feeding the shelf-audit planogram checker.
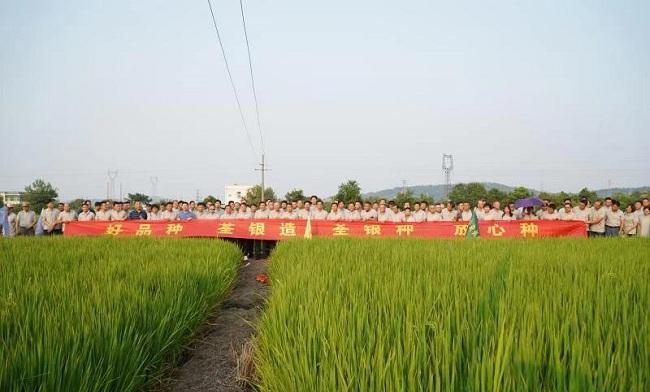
(552, 94)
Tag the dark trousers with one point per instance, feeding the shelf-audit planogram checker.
(593, 234)
(25, 231)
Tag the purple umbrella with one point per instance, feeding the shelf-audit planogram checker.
(529, 202)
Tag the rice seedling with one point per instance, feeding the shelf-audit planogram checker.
(103, 314)
(422, 315)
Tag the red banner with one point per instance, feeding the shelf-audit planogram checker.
(278, 229)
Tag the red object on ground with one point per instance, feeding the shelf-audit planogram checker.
(262, 278)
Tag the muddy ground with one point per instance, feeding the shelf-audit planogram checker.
(210, 364)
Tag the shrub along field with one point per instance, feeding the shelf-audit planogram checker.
(103, 314)
(422, 315)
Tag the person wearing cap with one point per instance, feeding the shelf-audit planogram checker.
(25, 221)
(596, 220)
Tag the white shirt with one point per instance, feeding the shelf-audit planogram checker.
(494, 214)
(434, 216)
(154, 217)
(289, 215)
(335, 216)
(397, 217)
(86, 216)
(67, 216)
(449, 215)
(353, 216)
(420, 216)
(102, 215)
(465, 216)
(273, 214)
(612, 218)
(596, 214)
(244, 215)
(262, 214)
(118, 215)
(168, 215)
(319, 215)
(368, 215)
(49, 217)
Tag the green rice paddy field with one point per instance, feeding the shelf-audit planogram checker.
(103, 314)
(395, 315)
(106, 314)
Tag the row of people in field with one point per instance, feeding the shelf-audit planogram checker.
(604, 217)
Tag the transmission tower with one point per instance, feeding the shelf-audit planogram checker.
(110, 192)
(447, 167)
(154, 186)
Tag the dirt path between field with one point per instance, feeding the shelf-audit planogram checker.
(211, 363)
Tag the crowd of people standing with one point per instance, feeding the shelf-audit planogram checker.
(602, 218)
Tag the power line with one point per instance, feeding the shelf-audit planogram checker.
(250, 67)
(232, 82)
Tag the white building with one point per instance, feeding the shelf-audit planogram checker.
(12, 198)
(236, 192)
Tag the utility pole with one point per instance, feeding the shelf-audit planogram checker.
(447, 167)
(121, 197)
(262, 169)
(110, 187)
(154, 186)
(404, 186)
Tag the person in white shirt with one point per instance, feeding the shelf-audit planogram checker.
(434, 214)
(567, 213)
(102, 214)
(629, 222)
(50, 216)
(11, 220)
(118, 213)
(168, 214)
(289, 213)
(305, 211)
(318, 213)
(508, 215)
(382, 214)
(262, 212)
(368, 213)
(420, 211)
(352, 214)
(335, 214)
(408, 216)
(465, 212)
(613, 219)
(549, 213)
(243, 212)
(638, 209)
(478, 210)
(596, 220)
(644, 223)
(155, 214)
(86, 215)
(397, 216)
(276, 212)
(529, 214)
(495, 212)
(66, 216)
(582, 211)
(449, 214)
(211, 214)
(228, 213)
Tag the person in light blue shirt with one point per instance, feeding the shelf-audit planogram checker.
(185, 214)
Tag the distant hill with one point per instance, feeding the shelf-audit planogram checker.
(611, 191)
(435, 191)
(438, 191)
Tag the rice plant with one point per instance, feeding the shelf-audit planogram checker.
(422, 315)
(103, 314)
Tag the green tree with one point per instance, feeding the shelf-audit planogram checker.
(141, 197)
(405, 197)
(470, 192)
(426, 198)
(519, 192)
(294, 195)
(76, 204)
(495, 194)
(39, 193)
(587, 194)
(349, 191)
(209, 199)
(254, 194)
